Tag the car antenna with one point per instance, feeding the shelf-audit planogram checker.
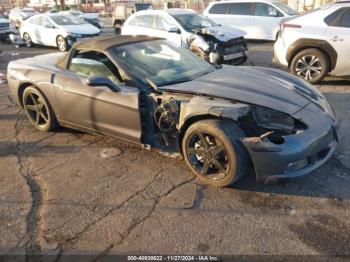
(152, 85)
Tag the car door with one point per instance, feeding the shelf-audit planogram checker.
(265, 21)
(97, 108)
(48, 32)
(164, 28)
(338, 35)
(239, 15)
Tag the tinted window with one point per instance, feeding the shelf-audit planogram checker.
(145, 21)
(345, 19)
(262, 9)
(333, 18)
(162, 24)
(240, 9)
(218, 9)
(67, 20)
(90, 63)
(161, 62)
(193, 21)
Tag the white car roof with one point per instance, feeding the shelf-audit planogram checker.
(244, 1)
(171, 11)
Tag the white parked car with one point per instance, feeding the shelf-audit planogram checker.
(54, 29)
(215, 43)
(259, 18)
(316, 43)
(17, 15)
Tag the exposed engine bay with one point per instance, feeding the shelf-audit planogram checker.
(259, 124)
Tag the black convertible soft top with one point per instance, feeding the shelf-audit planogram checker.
(102, 43)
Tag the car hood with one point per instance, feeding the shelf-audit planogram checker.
(222, 33)
(86, 29)
(265, 87)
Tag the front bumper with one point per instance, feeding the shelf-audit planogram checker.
(299, 154)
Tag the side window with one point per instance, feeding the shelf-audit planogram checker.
(218, 9)
(333, 18)
(162, 23)
(146, 21)
(46, 22)
(134, 21)
(339, 18)
(262, 9)
(345, 19)
(240, 9)
(35, 20)
(91, 63)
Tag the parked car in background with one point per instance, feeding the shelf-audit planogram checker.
(259, 18)
(6, 28)
(124, 10)
(215, 43)
(91, 18)
(17, 15)
(316, 43)
(54, 29)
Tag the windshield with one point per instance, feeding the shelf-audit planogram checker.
(140, 7)
(160, 62)
(193, 21)
(288, 10)
(67, 20)
(76, 13)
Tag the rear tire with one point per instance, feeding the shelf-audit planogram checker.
(213, 151)
(310, 64)
(38, 110)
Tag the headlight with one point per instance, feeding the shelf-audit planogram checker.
(274, 120)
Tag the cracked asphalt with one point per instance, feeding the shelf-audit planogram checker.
(68, 192)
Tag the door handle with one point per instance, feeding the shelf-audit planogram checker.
(336, 38)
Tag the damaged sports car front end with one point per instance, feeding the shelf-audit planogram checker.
(222, 119)
(290, 129)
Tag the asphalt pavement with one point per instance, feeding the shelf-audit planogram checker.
(67, 192)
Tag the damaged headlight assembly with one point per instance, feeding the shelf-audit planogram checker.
(276, 124)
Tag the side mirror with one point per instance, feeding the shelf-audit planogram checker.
(174, 29)
(48, 25)
(102, 81)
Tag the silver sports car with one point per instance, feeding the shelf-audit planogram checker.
(222, 119)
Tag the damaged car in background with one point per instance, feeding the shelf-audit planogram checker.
(222, 119)
(214, 43)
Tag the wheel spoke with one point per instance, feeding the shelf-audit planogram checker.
(205, 168)
(43, 116)
(218, 165)
(195, 151)
(217, 149)
(31, 107)
(33, 99)
(37, 117)
(314, 60)
(204, 142)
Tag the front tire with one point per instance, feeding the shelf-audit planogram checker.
(61, 43)
(310, 64)
(214, 153)
(38, 109)
(27, 40)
